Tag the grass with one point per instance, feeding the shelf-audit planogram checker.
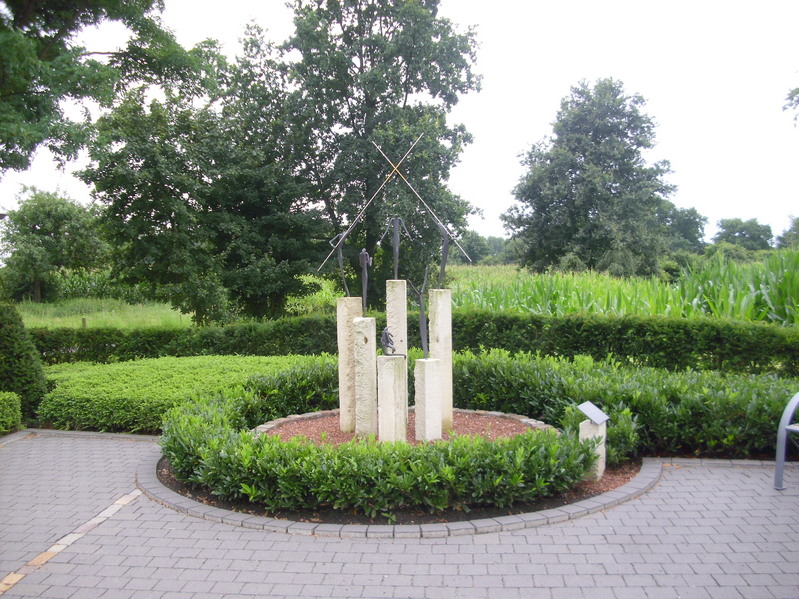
(101, 313)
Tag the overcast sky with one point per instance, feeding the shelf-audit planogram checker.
(715, 75)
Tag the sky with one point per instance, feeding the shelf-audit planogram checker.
(715, 75)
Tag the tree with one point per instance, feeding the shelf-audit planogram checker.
(46, 233)
(790, 236)
(204, 204)
(685, 229)
(588, 191)
(749, 234)
(382, 71)
(41, 65)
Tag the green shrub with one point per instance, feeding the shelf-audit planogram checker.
(10, 412)
(20, 367)
(208, 444)
(133, 396)
(673, 343)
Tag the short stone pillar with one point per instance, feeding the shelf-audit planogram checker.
(365, 354)
(392, 398)
(397, 314)
(590, 430)
(427, 381)
(441, 348)
(347, 309)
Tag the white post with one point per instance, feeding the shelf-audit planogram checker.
(427, 379)
(441, 348)
(589, 430)
(392, 398)
(347, 309)
(365, 354)
(397, 314)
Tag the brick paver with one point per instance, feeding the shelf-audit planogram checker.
(706, 529)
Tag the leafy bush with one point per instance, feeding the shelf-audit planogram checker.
(133, 396)
(671, 343)
(20, 367)
(10, 412)
(208, 444)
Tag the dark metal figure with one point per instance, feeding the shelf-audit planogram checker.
(366, 262)
(419, 293)
(394, 225)
(444, 252)
(387, 342)
(338, 243)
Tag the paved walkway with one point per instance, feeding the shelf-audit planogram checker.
(74, 524)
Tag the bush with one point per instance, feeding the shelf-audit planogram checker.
(671, 343)
(10, 412)
(133, 396)
(20, 367)
(208, 444)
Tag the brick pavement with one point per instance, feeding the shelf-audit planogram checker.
(73, 525)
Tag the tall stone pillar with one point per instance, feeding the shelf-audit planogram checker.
(589, 430)
(397, 313)
(441, 348)
(427, 382)
(392, 398)
(347, 309)
(365, 352)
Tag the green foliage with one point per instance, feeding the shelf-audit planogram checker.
(10, 412)
(133, 396)
(206, 445)
(20, 366)
(589, 192)
(381, 72)
(652, 411)
(40, 65)
(790, 236)
(46, 234)
(750, 234)
(203, 202)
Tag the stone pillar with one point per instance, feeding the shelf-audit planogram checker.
(589, 430)
(347, 309)
(441, 348)
(427, 380)
(397, 314)
(365, 354)
(392, 398)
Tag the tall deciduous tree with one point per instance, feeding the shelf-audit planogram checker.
(41, 65)
(790, 236)
(382, 71)
(46, 233)
(204, 204)
(749, 234)
(588, 192)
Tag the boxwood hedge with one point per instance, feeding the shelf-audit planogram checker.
(10, 412)
(671, 343)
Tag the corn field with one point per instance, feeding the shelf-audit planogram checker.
(767, 292)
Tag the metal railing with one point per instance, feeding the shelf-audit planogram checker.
(782, 436)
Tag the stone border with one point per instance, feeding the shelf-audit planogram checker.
(273, 424)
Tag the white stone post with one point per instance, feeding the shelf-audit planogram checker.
(427, 380)
(441, 348)
(347, 309)
(397, 314)
(392, 398)
(589, 430)
(365, 353)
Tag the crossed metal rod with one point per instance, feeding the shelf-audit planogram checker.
(394, 171)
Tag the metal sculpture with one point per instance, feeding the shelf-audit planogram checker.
(366, 262)
(338, 244)
(419, 295)
(394, 226)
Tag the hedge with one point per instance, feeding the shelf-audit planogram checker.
(671, 343)
(209, 444)
(10, 412)
(133, 396)
(20, 366)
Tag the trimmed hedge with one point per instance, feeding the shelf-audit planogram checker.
(671, 343)
(133, 396)
(209, 444)
(10, 412)
(20, 367)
